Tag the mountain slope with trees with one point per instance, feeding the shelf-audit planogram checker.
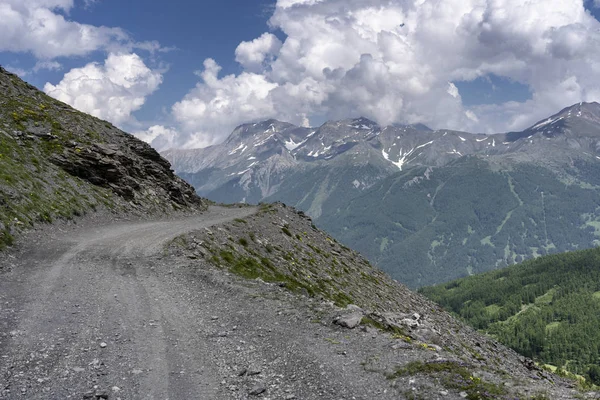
(547, 308)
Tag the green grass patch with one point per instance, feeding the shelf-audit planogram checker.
(546, 298)
(454, 375)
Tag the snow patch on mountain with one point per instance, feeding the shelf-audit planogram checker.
(550, 121)
(263, 141)
(403, 156)
(291, 145)
(241, 147)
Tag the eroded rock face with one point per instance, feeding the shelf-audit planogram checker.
(129, 169)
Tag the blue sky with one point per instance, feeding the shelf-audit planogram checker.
(196, 30)
(184, 73)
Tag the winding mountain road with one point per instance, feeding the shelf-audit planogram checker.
(86, 309)
(102, 312)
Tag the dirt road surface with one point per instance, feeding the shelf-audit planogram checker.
(100, 312)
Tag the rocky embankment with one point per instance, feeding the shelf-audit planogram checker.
(56, 162)
(374, 323)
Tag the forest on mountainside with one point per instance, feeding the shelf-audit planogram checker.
(547, 309)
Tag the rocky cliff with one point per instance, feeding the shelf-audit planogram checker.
(58, 162)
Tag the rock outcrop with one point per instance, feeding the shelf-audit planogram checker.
(57, 162)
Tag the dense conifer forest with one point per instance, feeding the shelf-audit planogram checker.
(547, 309)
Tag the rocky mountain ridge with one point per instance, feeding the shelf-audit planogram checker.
(424, 205)
(273, 147)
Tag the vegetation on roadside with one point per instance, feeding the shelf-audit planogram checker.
(454, 375)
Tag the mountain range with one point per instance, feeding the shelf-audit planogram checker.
(426, 205)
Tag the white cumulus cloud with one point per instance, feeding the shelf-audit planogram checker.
(216, 103)
(48, 65)
(252, 55)
(160, 137)
(392, 61)
(39, 27)
(42, 28)
(111, 91)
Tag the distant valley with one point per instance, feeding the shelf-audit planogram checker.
(426, 206)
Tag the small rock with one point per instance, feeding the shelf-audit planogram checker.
(354, 307)
(463, 395)
(258, 389)
(349, 321)
(101, 395)
(254, 371)
(434, 347)
(290, 397)
(401, 346)
(103, 345)
(409, 322)
(242, 372)
(116, 389)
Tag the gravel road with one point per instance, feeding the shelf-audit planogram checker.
(85, 310)
(101, 312)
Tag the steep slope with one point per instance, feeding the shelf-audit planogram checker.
(575, 122)
(430, 225)
(57, 162)
(548, 308)
(419, 348)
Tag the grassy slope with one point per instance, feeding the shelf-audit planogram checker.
(279, 246)
(33, 190)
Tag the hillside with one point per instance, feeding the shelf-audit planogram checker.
(225, 303)
(426, 206)
(548, 308)
(431, 225)
(425, 353)
(56, 162)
